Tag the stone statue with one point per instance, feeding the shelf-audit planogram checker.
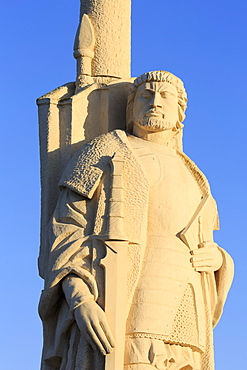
(134, 197)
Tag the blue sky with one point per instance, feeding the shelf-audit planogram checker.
(204, 43)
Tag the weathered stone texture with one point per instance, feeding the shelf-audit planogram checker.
(111, 22)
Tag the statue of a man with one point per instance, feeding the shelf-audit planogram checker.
(177, 277)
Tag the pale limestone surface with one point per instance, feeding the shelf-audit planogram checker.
(111, 23)
(130, 265)
(66, 121)
(133, 279)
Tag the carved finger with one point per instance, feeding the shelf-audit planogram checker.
(201, 257)
(207, 263)
(108, 333)
(204, 250)
(90, 341)
(96, 340)
(101, 335)
(204, 269)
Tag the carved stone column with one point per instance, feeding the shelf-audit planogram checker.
(111, 23)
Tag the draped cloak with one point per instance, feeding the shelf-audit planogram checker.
(70, 247)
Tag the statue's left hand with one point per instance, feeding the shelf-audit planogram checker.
(207, 257)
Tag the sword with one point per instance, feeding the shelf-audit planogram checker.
(115, 264)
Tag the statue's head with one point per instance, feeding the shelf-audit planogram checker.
(157, 102)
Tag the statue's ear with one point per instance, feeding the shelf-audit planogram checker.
(181, 114)
(178, 127)
(177, 138)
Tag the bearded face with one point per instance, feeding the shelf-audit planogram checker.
(156, 106)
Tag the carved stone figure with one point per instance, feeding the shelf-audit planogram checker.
(133, 278)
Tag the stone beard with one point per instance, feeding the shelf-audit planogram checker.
(176, 290)
(154, 124)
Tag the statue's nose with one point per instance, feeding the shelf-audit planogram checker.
(156, 101)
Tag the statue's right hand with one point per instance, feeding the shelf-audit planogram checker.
(92, 322)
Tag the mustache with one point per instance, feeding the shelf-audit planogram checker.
(154, 111)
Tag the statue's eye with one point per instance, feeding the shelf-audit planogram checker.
(166, 94)
(146, 94)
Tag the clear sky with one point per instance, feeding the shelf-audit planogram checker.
(204, 43)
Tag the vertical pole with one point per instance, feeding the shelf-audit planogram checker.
(115, 264)
(111, 23)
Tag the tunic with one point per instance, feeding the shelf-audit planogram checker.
(168, 301)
